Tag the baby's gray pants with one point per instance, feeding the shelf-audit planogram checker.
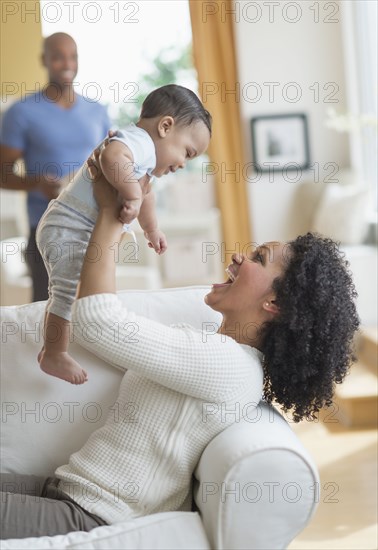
(62, 237)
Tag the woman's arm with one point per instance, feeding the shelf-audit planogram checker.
(209, 367)
(98, 271)
(203, 365)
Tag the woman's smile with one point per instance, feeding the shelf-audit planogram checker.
(249, 282)
(230, 280)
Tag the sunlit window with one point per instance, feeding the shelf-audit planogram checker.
(361, 44)
(126, 49)
(366, 45)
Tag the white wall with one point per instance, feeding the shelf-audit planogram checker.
(305, 52)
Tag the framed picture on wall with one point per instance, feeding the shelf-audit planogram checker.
(280, 142)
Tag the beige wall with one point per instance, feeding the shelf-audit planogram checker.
(21, 41)
(21, 72)
(308, 52)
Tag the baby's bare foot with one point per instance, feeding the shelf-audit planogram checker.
(62, 366)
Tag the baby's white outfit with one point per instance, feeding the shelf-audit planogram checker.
(64, 230)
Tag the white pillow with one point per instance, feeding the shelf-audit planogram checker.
(341, 214)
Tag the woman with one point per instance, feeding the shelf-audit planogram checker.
(288, 324)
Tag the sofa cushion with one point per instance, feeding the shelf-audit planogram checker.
(341, 213)
(164, 531)
(45, 419)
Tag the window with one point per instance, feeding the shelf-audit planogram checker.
(360, 38)
(126, 49)
(118, 43)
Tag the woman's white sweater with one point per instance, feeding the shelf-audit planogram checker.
(181, 388)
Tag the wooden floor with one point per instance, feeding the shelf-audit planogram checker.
(346, 517)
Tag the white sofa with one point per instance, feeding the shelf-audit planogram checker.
(254, 487)
(16, 283)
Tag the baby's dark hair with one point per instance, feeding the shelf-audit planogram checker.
(178, 102)
(308, 347)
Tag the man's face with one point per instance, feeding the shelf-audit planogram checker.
(60, 60)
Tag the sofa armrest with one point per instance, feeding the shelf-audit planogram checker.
(255, 485)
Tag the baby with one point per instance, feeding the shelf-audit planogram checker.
(173, 128)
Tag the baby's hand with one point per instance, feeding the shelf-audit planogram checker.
(130, 210)
(157, 241)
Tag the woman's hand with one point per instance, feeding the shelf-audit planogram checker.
(105, 194)
(100, 276)
(94, 168)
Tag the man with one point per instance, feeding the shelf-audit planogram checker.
(53, 131)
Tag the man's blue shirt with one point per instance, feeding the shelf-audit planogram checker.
(55, 141)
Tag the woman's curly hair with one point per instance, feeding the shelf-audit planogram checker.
(308, 347)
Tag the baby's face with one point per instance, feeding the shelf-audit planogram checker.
(179, 145)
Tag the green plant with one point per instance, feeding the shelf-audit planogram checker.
(170, 66)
